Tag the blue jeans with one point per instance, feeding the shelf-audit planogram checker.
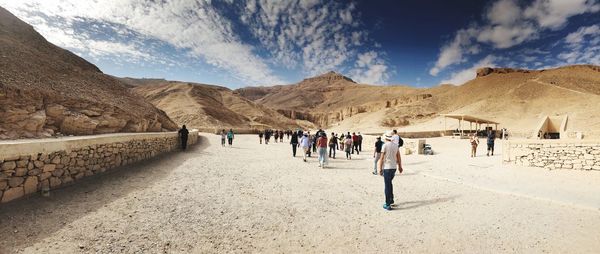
(388, 176)
(322, 155)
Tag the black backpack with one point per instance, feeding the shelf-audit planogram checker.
(400, 142)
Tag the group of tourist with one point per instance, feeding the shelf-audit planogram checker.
(474, 141)
(277, 134)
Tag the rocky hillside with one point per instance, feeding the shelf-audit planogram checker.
(515, 98)
(46, 91)
(332, 97)
(209, 107)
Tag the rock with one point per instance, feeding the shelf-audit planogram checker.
(9, 165)
(12, 194)
(54, 182)
(34, 172)
(34, 122)
(3, 184)
(45, 176)
(22, 163)
(56, 159)
(78, 124)
(58, 172)
(15, 181)
(49, 167)
(20, 171)
(30, 166)
(30, 185)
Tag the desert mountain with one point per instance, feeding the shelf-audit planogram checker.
(209, 107)
(515, 98)
(45, 90)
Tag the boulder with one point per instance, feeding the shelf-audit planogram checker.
(12, 194)
(30, 185)
(78, 124)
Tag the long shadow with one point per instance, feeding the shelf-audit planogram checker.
(29, 220)
(416, 204)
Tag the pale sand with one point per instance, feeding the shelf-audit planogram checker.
(256, 198)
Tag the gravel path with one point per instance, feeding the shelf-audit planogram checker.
(257, 198)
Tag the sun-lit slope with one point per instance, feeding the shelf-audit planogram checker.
(206, 106)
(46, 90)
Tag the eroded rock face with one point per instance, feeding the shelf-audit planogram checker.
(482, 72)
(47, 91)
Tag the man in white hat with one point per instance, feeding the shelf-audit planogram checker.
(388, 164)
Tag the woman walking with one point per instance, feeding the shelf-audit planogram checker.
(348, 147)
(305, 144)
(474, 140)
(223, 137)
(230, 136)
(322, 146)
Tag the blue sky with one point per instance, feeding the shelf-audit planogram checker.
(238, 43)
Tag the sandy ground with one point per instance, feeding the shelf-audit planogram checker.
(257, 198)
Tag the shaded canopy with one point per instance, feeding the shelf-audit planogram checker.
(469, 118)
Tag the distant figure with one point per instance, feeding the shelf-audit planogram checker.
(360, 139)
(342, 140)
(474, 140)
(490, 142)
(389, 163)
(377, 153)
(314, 141)
(281, 136)
(294, 143)
(230, 137)
(183, 136)
(276, 136)
(305, 144)
(397, 139)
(260, 137)
(333, 143)
(267, 137)
(223, 137)
(348, 147)
(354, 143)
(322, 145)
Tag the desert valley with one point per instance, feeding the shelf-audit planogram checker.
(93, 162)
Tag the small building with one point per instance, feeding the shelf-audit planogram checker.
(478, 122)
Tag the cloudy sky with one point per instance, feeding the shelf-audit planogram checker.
(237, 43)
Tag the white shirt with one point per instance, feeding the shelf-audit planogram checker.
(304, 142)
(396, 139)
(389, 160)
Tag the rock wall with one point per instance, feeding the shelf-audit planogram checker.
(553, 154)
(27, 167)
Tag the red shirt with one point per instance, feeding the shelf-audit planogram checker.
(354, 138)
(322, 142)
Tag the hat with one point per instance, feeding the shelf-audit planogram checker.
(388, 135)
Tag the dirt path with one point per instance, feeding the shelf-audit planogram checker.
(256, 198)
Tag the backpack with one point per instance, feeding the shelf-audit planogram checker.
(400, 142)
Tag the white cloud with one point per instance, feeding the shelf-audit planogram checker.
(370, 69)
(190, 25)
(315, 36)
(575, 38)
(555, 13)
(506, 24)
(462, 76)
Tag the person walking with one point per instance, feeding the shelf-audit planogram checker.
(333, 143)
(388, 164)
(281, 136)
(230, 137)
(294, 143)
(474, 140)
(354, 143)
(397, 139)
(342, 140)
(260, 137)
(360, 140)
(276, 135)
(305, 144)
(348, 147)
(377, 153)
(267, 137)
(183, 137)
(322, 145)
(314, 141)
(223, 137)
(491, 137)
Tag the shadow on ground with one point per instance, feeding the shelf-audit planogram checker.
(419, 203)
(27, 221)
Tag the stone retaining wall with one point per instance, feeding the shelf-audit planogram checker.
(553, 154)
(27, 166)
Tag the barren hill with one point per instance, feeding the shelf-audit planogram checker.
(515, 98)
(45, 90)
(210, 107)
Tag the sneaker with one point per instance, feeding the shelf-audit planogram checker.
(374, 173)
(387, 207)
